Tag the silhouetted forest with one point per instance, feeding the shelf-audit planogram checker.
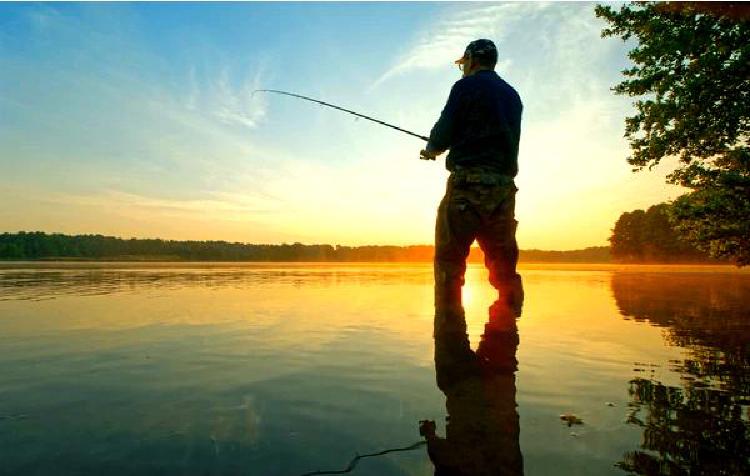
(40, 245)
(648, 236)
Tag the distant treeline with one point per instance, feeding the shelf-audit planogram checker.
(592, 254)
(39, 245)
(649, 236)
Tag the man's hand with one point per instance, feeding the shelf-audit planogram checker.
(427, 428)
(429, 155)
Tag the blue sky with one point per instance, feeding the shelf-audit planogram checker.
(138, 120)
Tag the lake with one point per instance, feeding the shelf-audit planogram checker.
(292, 369)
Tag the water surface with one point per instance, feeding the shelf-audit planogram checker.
(285, 369)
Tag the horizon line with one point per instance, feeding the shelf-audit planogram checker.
(474, 244)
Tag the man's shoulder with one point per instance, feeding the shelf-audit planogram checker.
(476, 80)
(509, 88)
(469, 84)
(460, 84)
(506, 84)
(485, 82)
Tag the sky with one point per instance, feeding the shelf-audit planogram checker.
(139, 120)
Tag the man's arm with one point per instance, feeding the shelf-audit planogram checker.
(441, 135)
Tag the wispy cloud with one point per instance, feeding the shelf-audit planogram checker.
(237, 104)
(219, 206)
(124, 125)
(43, 16)
(441, 43)
(228, 96)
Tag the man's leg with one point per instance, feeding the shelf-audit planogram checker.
(497, 238)
(454, 233)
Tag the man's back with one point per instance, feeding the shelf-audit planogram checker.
(481, 124)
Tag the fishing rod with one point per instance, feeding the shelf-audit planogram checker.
(424, 138)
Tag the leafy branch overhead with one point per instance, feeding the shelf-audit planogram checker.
(691, 80)
(694, 69)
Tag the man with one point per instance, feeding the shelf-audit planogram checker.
(481, 125)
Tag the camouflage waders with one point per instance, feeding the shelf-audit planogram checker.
(478, 204)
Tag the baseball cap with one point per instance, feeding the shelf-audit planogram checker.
(480, 48)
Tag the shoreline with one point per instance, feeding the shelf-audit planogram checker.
(530, 266)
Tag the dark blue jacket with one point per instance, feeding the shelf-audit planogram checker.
(480, 124)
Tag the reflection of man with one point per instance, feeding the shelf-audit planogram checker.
(482, 430)
(481, 125)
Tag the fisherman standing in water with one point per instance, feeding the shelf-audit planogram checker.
(481, 125)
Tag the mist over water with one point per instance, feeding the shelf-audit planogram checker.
(285, 369)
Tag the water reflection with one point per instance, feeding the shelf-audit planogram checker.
(701, 426)
(278, 369)
(44, 281)
(482, 425)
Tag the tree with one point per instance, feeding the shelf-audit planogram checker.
(649, 236)
(627, 238)
(691, 75)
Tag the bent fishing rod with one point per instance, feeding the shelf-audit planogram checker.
(424, 138)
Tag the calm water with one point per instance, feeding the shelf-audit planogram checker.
(290, 369)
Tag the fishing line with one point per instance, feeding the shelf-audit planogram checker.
(355, 460)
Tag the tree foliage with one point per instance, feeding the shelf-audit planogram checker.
(691, 75)
(648, 236)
